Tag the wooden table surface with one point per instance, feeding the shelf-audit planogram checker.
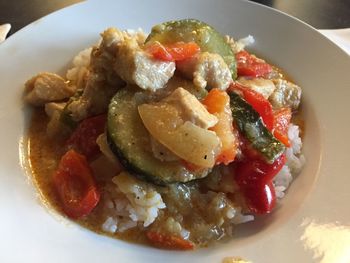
(321, 14)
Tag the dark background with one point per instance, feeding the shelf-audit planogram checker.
(321, 14)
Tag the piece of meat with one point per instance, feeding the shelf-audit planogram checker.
(207, 69)
(100, 81)
(263, 86)
(136, 66)
(47, 87)
(52, 107)
(286, 94)
(113, 37)
(191, 108)
(55, 125)
(95, 98)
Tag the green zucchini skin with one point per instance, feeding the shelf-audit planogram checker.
(130, 142)
(192, 30)
(251, 126)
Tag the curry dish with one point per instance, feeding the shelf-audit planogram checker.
(170, 139)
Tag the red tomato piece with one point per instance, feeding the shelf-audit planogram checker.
(83, 139)
(159, 51)
(173, 52)
(282, 118)
(258, 102)
(75, 185)
(260, 197)
(250, 171)
(254, 178)
(248, 65)
(168, 241)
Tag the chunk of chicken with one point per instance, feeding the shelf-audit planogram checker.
(47, 87)
(207, 69)
(263, 86)
(55, 126)
(180, 122)
(100, 81)
(52, 107)
(286, 94)
(192, 110)
(112, 37)
(135, 66)
(95, 98)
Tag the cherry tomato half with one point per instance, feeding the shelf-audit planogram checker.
(83, 139)
(254, 178)
(75, 185)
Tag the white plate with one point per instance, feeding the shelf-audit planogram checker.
(313, 222)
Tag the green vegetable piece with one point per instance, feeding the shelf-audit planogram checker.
(130, 142)
(250, 124)
(192, 30)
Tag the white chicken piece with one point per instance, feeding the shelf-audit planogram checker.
(191, 108)
(112, 37)
(47, 87)
(135, 66)
(55, 126)
(207, 69)
(286, 94)
(100, 82)
(263, 86)
(52, 107)
(95, 98)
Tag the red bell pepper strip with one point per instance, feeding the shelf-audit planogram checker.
(173, 52)
(250, 66)
(169, 241)
(282, 118)
(258, 102)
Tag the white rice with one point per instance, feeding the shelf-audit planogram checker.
(240, 218)
(80, 62)
(295, 161)
(240, 44)
(133, 202)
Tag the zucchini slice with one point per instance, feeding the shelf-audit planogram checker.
(251, 126)
(130, 142)
(192, 30)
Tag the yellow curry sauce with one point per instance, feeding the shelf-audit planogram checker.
(44, 156)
